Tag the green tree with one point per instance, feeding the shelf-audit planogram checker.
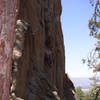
(93, 59)
(79, 93)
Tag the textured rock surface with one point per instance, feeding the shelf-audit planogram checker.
(41, 66)
(69, 89)
(7, 24)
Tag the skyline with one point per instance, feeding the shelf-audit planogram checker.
(78, 43)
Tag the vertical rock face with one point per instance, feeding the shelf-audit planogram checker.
(41, 68)
(8, 15)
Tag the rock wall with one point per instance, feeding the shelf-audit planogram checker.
(8, 15)
(41, 66)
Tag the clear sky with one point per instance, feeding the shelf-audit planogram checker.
(78, 43)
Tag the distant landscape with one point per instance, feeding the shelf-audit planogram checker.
(84, 83)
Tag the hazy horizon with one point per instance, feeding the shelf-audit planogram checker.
(84, 83)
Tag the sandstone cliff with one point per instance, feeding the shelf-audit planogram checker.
(40, 65)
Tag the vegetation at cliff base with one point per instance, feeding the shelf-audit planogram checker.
(87, 95)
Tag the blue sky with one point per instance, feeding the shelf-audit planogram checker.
(78, 43)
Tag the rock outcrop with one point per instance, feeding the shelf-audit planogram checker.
(40, 65)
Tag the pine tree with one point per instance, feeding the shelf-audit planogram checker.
(93, 59)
